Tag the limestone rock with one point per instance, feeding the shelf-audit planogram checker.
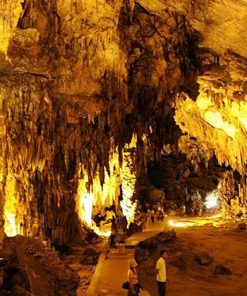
(80, 80)
(241, 227)
(36, 269)
(222, 270)
(163, 237)
(204, 259)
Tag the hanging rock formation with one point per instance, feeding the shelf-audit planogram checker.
(79, 80)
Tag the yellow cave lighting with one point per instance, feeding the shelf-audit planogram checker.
(128, 177)
(10, 226)
(10, 12)
(90, 200)
(239, 110)
(178, 223)
(84, 202)
(94, 199)
(215, 119)
(211, 200)
(196, 221)
(203, 102)
(244, 121)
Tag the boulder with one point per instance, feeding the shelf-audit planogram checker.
(222, 270)
(241, 227)
(167, 236)
(31, 267)
(162, 237)
(203, 259)
(150, 244)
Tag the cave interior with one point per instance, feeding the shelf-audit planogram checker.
(116, 106)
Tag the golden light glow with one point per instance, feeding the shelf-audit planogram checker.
(92, 200)
(176, 224)
(216, 120)
(9, 15)
(86, 205)
(180, 223)
(192, 222)
(219, 126)
(104, 233)
(239, 110)
(203, 102)
(10, 227)
(244, 121)
(211, 200)
(128, 180)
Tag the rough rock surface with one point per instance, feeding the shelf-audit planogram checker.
(79, 78)
(30, 266)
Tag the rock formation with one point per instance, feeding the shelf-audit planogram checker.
(91, 92)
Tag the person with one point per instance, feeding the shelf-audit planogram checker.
(152, 216)
(183, 210)
(134, 286)
(148, 216)
(161, 273)
(113, 235)
(158, 212)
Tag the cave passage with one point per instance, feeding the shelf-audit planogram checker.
(118, 118)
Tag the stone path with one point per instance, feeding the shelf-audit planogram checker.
(111, 272)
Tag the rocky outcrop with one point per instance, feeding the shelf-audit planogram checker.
(31, 268)
(73, 92)
(79, 81)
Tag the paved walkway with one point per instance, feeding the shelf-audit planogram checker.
(112, 272)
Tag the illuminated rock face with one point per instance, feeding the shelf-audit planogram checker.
(80, 79)
(216, 121)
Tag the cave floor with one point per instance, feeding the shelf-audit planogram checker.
(111, 272)
(186, 277)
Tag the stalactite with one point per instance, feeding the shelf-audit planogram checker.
(84, 81)
(233, 195)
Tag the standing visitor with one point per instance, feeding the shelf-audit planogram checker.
(134, 286)
(161, 273)
(148, 217)
(158, 212)
(114, 231)
(152, 216)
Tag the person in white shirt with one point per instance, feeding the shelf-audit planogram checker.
(161, 273)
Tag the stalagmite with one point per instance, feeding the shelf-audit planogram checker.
(80, 80)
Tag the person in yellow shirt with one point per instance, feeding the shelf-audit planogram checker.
(161, 273)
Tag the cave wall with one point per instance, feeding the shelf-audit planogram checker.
(79, 79)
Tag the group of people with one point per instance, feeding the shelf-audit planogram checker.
(134, 286)
(157, 212)
(149, 215)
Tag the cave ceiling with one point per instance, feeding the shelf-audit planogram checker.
(82, 79)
